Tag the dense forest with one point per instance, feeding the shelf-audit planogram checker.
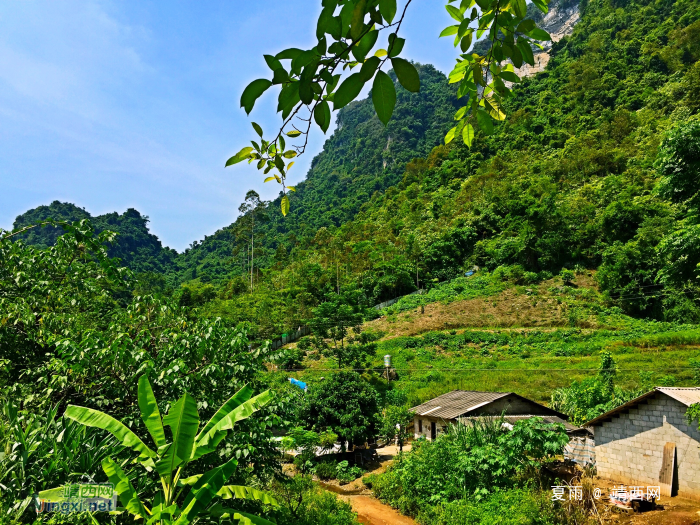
(558, 257)
(575, 177)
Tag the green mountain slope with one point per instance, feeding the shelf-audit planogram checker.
(137, 248)
(362, 158)
(569, 180)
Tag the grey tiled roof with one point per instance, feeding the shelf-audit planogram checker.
(456, 403)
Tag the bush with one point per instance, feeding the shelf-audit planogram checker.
(567, 277)
(513, 507)
(303, 503)
(325, 470)
(469, 460)
(347, 474)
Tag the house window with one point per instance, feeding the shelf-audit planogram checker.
(420, 426)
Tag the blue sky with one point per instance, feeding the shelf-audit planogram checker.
(119, 104)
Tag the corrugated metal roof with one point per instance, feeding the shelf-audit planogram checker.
(456, 403)
(687, 396)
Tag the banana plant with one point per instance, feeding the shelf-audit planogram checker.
(182, 499)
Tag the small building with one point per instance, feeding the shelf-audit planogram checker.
(434, 416)
(648, 442)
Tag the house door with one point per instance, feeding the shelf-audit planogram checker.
(433, 430)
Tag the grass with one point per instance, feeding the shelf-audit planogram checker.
(526, 339)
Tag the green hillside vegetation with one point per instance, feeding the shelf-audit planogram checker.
(134, 245)
(557, 258)
(582, 175)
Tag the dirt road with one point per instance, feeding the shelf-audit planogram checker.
(371, 511)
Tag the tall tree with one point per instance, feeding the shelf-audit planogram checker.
(253, 211)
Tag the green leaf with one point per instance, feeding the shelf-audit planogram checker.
(293, 133)
(387, 8)
(148, 406)
(289, 154)
(365, 45)
(252, 92)
(219, 511)
(258, 129)
(454, 12)
(450, 135)
(288, 98)
(383, 96)
(322, 115)
(520, 8)
(509, 76)
(272, 62)
(284, 205)
(539, 34)
(449, 31)
(369, 67)
(525, 26)
(97, 419)
(357, 22)
(204, 491)
(290, 53)
(249, 493)
(395, 45)
(542, 5)
(466, 42)
(468, 135)
(484, 121)
(236, 400)
(238, 157)
(127, 495)
(268, 179)
(348, 90)
(183, 420)
(292, 188)
(526, 51)
(407, 74)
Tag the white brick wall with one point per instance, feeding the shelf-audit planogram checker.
(629, 448)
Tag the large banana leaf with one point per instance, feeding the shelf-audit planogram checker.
(219, 511)
(95, 418)
(183, 421)
(204, 491)
(241, 492)
(51, 494)
(234, 491)
(243, 395)
(149, 412)
(207, 442)
(127, 494)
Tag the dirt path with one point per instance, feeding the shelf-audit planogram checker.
(371, 511)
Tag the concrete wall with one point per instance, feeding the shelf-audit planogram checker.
(513, 406)
(441, 425)
(629, 449)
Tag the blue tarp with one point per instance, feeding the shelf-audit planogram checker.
(469, 274)
(298, 383)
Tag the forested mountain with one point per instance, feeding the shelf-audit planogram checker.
(137, 248)
(584, 172)
(359, 161)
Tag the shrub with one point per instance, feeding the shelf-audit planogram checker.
(325, 469)
(513, 507)
(347, 474)
(567, 277)
(303, 503)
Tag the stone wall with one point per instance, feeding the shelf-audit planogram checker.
(629, 449)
